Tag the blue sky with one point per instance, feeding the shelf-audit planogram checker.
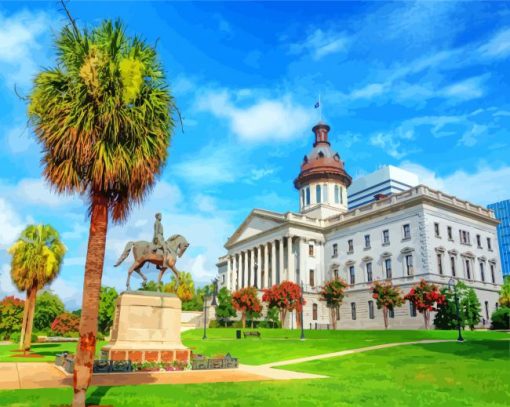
(419, 85)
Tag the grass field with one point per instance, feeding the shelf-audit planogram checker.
(46, 350)
(284, 344)
(474, 373)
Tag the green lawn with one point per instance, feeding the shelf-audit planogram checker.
(474, 373)
(46, 350)
(284, 344)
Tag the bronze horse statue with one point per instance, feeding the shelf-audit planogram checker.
(143, 253)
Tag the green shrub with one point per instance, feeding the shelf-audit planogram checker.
(214, 324)
(72, 334)
(237, 324)
(15, 337)
(501, 318)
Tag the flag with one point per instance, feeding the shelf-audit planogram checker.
(316, 106)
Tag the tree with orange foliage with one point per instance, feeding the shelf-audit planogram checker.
(246, 300)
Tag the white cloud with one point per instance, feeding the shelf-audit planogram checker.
(321, 43)
(483, 186)
(465, 90)
(205, 203)
(391, 143)
(19, 139)
(11, 224)
(6, 285)
(498, 46)
(262, 120)
(470, 137)
(257, 174)
(21, 47)
(368, 91)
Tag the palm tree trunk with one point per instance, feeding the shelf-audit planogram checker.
(90, 303)
(24, 324)
(31, 296)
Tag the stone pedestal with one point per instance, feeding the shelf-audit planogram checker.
(147, 327)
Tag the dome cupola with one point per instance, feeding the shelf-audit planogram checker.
(322, 181)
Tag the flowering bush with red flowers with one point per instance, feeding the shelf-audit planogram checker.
(333, 292)
(387, 297)
(11, 316)
(246, 300)
(425, 297)
(65, 324)
(285, 296)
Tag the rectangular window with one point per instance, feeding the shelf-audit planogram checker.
(371, 313)
(353, 311)
(493, 275)
(436, 229)
(407, 231)
(310, 250)
(478, 241)
(325, 193)
(412, 309)
(335, 274)
(350, 245)
(482, 271)
(338, 313)
(409, 264)
(352, 275)
(369, 272)
(487, 310)
(386, 236)
(468, 269)
(450, 233)
(387, 267)
(367, 241)
(452, 263)
(312, 279)
(318, 193)
(337, 194)
(464, 237)
(302, 197)
(440, 263)
(335, 250)
(391, 313)
(314, 311)
(307, 195)
(489, 244)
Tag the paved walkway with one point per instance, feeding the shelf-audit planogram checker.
(33, 375)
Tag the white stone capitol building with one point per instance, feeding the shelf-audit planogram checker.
(418, 233)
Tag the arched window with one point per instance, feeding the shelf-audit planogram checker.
(321, 154)
(314, 311)
(307, 196)
(318, 193)
(337, 194)
(325, 193)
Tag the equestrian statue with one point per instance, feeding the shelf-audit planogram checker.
(162, 253)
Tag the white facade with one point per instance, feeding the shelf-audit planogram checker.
(396, 236)
(387, 180)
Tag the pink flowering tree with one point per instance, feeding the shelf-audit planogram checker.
(387, 297)
(245, 300)
(426, 297)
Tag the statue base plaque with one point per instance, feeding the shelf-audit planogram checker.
(147, 328)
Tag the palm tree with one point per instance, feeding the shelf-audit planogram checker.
(36, 259)
(184, 287)
(103, 118)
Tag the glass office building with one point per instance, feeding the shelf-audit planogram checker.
(502, 211)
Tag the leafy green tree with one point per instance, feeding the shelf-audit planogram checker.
(224, 310)
(501, 318)
(103, 117)
(504, 293)
(76, 312)
(11, 316)
(151, 286)
(184, 288)
(107, 301)
(36, 259)
(469, 308)
(272, 318)
(47, 307)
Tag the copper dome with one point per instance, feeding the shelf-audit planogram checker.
(322, 163)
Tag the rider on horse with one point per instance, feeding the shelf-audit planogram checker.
(158, 240)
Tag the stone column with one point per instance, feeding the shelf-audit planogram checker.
(245, 270)
(252, 267)
(281, 268)
(259, 267)
(273, 262)
(290, 261)
(302, 260)
(266, 266)
(235, 273)
(229, 273)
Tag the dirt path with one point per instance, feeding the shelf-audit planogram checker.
(33, 375)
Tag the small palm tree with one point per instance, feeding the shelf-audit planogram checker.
(36, 259)
(184, 287)
(103, 118)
